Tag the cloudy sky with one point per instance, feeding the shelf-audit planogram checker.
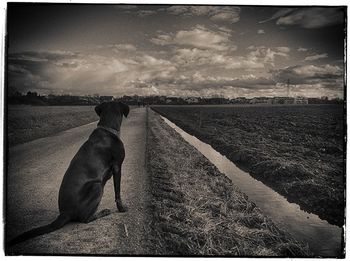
(175, 50)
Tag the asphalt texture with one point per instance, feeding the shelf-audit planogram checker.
(34, 174)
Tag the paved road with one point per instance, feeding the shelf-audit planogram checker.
(35, 171)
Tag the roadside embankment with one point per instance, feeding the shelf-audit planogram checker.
(196, 210)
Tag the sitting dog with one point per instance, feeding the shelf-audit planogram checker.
(98, 159)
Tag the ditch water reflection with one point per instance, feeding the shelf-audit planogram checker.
(323, 238)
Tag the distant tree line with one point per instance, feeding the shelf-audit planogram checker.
(33, 98)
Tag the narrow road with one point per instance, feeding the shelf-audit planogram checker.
(35, 172)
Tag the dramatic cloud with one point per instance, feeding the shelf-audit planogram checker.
(225, 29)
(125, 47)
(117, 47)
(316, 57)
(144, 13)
(310, 74)
(126, 7)
(312, 17)
(301, 49)
(185, 73)
(83, 73)
(196, 57)
(80, 73)
(283, 49)
(200, 85)
(314, 80)
(228, 14)
(200, 46)
(199, 37)
(257, 58)
(264, 55)
(191, 50)
(251, 83)
(278, 14)
(215, 13)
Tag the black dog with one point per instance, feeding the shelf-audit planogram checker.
(98, 159)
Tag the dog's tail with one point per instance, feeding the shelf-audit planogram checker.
(59, 222)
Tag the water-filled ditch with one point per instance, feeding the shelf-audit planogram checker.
(323, 238)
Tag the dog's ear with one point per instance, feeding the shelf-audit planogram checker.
(124, 108)
(99, 108)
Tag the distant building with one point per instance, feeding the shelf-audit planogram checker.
(240, 100)
(261, 100)
(290, 100)
(300, 100)
(106, 98)
(191, 100)
(282, 100)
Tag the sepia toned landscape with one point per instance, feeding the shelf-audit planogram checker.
(175, 130)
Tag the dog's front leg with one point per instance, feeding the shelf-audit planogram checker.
(117, 173)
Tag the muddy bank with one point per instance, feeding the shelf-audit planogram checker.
(196, 210)
(296, 150)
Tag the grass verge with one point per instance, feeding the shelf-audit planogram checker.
(26, 123)
(196, 210)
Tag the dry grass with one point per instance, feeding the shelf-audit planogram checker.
(26, 123)
(196, 210)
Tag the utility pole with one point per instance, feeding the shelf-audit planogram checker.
(288, 88)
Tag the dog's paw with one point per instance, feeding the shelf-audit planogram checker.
(105, 212)
(121, 207)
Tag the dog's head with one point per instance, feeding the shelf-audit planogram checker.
(111, 114)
